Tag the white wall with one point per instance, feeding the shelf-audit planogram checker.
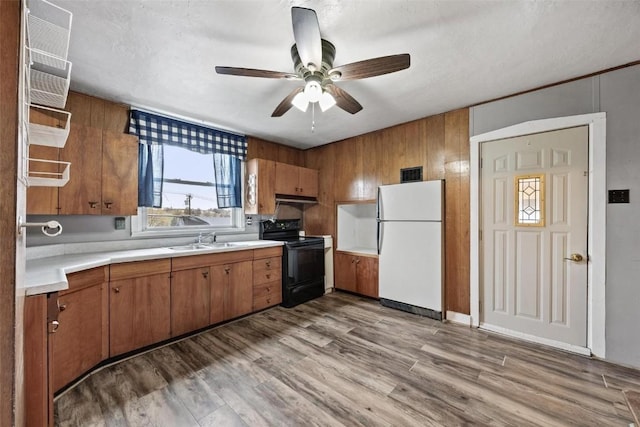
(618, 94)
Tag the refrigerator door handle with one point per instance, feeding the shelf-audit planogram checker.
(378, 220)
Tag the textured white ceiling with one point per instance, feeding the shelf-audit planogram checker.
(161, 55)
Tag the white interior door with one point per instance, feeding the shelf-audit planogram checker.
(534, 236)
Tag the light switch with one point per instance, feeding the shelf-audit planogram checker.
(618, 196)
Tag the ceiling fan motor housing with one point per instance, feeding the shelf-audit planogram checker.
(322, 73)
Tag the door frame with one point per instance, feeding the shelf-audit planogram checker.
(596, 228)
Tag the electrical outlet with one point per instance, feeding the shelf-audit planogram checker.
(120, 223)
(249, 220)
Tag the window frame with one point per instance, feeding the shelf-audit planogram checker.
(139, 222)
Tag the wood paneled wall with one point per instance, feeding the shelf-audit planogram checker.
(261, 149)
(9, 378)
(352, 170)
(98, 113)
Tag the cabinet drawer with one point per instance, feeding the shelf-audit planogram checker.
(86, 278)
(264, 276)
(275, 251)
(130, 270)
(266, 295)
(205, 260)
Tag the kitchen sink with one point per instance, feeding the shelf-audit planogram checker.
(191, 247)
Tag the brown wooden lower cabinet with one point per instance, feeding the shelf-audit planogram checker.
(81, 339)
(111, 310)
(231, 290)
(139, 305)
(267, 278)
(190, 300)
(356, 273)
(39, 395)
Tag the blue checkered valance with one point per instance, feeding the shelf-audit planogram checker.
(153, 129)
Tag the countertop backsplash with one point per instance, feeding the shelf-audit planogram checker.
(83, 233)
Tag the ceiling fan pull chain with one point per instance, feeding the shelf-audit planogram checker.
(313, 117)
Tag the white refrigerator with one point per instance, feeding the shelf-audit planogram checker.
(410, 247)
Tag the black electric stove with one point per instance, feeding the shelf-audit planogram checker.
(302, 261)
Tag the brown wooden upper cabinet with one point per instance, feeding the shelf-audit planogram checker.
(294, 180)
(266, 178)
(260, 189)
(104, 175)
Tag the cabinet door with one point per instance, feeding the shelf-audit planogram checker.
(77, 345)
(231, 290)
(119, 174)
(240, 294)
(260, 196)
(308, 182)
(42, 200)
(39, 401)
(345, 272)
(287, 179)
(219, 286)
(139, 312)
(367, 276)
(190, 300)
(82, 195)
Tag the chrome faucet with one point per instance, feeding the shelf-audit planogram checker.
(202, 238)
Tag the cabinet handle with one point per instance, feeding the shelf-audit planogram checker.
(227, 270)
(108, 205)
(93, 205)
(268, 300)
(353, 260)
(268, 263)
(54, 326)
(62, 307)
(116, 290)
(301, 189)
(205, 274)
(268, 276)
(357, 260)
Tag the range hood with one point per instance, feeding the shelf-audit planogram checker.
(287, 198)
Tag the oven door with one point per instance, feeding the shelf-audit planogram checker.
(305, 263)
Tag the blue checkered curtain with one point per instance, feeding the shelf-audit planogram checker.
(154, 131)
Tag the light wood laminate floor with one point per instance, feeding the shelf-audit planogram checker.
(343, 360)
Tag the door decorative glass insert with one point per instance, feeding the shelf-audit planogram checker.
(529, 200)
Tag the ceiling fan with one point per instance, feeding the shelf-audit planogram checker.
(313, 63)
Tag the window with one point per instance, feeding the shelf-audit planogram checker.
(189, 175)
(188, 193)
(529, 200)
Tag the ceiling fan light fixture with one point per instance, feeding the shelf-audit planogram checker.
(300, 102)
(313, 91)
(326, 101)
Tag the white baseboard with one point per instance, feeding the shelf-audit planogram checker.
(538, 340)
(455, 317)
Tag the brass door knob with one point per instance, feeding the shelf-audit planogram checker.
(575, 258)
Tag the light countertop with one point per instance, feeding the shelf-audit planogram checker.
(48, 274)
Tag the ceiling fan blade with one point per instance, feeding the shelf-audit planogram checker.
(306, 32)
(373, 67)
(252, 72)
(286, 104)
(343, 99)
